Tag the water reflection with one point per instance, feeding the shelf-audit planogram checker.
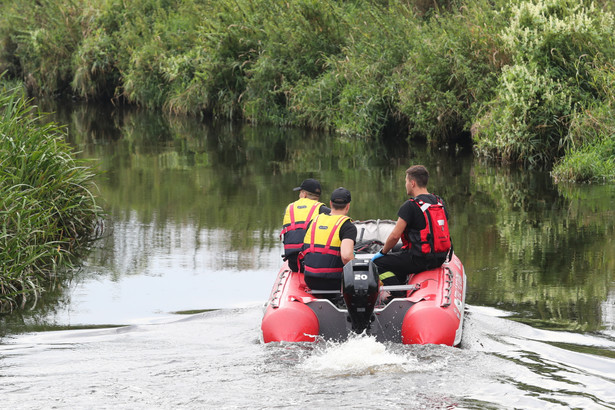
(189, 200)
(550, 260)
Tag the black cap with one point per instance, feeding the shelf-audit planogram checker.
(310, 185)
(340, 196)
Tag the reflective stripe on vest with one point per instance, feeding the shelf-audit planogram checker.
(322, 244)
(297, 216)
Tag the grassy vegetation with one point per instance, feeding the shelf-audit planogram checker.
(47, 213)
(590, 156)
(557, 46)
(517, 76)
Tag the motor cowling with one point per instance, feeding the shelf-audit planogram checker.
(360, 286)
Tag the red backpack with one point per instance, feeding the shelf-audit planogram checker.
(435, 238)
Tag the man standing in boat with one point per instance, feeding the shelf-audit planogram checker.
(422, 225)
(329, 244)
(296, 218)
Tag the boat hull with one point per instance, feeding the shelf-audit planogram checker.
(431, 313)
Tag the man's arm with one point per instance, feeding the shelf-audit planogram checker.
(347, 250)
(394, 236)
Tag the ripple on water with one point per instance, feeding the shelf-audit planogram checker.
(214, 359)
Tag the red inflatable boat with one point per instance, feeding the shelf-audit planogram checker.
(431, 311)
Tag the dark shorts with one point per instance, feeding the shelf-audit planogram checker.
(401, 264)
(320, 283)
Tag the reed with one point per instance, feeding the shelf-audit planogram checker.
(48, 213)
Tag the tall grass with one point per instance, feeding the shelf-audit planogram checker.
(47, 211)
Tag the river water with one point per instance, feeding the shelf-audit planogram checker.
(165, 311)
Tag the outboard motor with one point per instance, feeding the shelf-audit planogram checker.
(360, 286)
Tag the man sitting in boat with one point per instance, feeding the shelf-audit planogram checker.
(422, 225)
(329, 244)
(296, 218)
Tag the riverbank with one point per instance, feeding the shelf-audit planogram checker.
(47, 212)
(527, 81)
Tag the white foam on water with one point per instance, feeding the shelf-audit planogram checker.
(358, 355)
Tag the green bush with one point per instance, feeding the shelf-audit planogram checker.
(96, 74)
(591, 163)
(451, 71)
(299, 39)
(526, 121)
(47, 212)
(554, 45)
(591, 151)
(46, 34)
(357, 93)
(513, 74)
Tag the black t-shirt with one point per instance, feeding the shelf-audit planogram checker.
(412, 214)
(324, 210)
(348, 231)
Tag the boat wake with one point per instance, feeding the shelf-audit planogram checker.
(359, 355)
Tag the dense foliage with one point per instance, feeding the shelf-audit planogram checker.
(47, 213)
(524, 78)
